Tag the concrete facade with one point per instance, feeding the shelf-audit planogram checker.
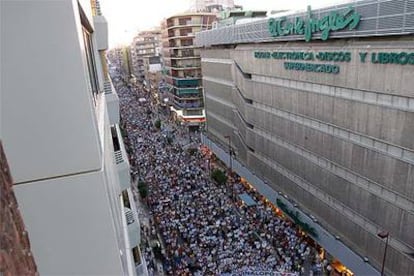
(145, 44)
(60, 133)
(182, 61)
(340, 145)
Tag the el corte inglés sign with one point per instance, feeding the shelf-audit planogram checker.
(334, 21)
(295, 60)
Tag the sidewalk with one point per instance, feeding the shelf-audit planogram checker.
(146, 240)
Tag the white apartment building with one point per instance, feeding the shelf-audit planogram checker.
(59, 127)
(201, 5)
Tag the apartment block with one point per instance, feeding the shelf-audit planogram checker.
(60, 132)
(144, 44)
(183, 64)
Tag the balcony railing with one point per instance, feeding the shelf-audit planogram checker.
(190, 82)
(133, 227)
(187, 91)
(189, 105)
(112, 102)
(120, 158)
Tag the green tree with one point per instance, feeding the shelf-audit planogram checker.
(219, 176)
(143, 189)
(158, 123)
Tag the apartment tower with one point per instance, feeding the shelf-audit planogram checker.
(182, 61)
(60, 132)
(145, 44)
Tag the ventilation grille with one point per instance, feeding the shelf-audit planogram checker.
(107, 87)
(129, 215)
(118, 157)
(117, 147)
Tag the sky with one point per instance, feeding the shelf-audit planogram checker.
(127, 17)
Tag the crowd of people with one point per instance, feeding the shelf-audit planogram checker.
(206, 229)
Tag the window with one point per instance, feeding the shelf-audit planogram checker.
(125, 199)
(115, 139)
(137, 255)
(92, 75)
(193, 112)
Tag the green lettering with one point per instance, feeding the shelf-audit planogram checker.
(374, 58)
(347, 57)
(272, 27)
(362, 56)
(410, 58)
(332, 22)
(383, 57)
(279, 27)
(299, 26)
(403, 58)
(393, 58)
(324, 27)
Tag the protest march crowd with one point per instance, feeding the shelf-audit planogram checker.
(205, 227)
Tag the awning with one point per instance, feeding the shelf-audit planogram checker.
(247, 199)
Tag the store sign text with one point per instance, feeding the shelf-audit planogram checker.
(334, 21)
(295, 59)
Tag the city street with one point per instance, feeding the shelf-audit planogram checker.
(201, 225)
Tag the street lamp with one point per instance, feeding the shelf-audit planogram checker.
(231, 166)
(384, 234)
(230, 153)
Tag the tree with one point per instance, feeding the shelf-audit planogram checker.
(143, 189)
(219, 176)
(158, 123)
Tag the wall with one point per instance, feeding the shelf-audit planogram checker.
(336, 143)
(16, 255)
(45, 92)
(79, 237)
(58, 138)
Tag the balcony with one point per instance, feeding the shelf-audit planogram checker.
(133, 227)
(185, 64)
(131, 218)
(188, 105)
(132, 234)
(120, 158)
(187, 91)
(186, 46)
(101, 31)
(112, 102)
(182, 23)
(189, 53)
(187, 82)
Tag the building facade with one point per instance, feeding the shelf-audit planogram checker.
(59, 128)
(152, 71)
(319, 107)
(204, 5)
(182, 61)
(17, 257)
(122, 57)
(145, 44)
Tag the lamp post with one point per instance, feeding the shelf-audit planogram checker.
(382, 235)
(231, 166)
(230, 153)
